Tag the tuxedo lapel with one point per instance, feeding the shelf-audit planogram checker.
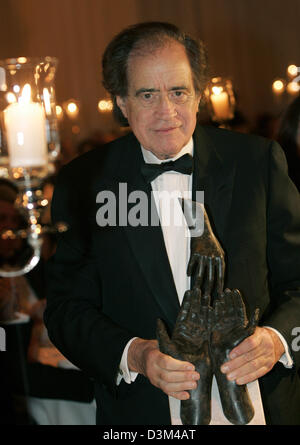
(215, 177)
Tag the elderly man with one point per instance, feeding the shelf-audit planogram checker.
(110, 283)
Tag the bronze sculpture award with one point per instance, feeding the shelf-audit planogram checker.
(205, 332)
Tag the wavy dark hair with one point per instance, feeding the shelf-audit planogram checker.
(151, 35)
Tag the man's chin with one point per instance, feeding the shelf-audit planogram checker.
(166, 149)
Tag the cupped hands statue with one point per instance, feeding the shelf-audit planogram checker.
(189, 342)
(230, 328)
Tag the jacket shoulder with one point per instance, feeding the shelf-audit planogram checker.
(224, 138)
(99, 160)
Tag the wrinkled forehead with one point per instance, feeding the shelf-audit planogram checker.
(150, 45)
(153, 64)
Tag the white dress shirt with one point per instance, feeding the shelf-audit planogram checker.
(177, 242)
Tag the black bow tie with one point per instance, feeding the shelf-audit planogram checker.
(184, 165)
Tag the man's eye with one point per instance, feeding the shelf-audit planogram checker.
(179, 94)
(147, 96)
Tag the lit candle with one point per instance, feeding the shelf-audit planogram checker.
(220, 103)
(2, 79)
(26, 132)
(278, 86)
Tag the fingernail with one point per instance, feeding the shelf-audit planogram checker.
(231, 376)
(224, 369)
(189, 368)
(233, 355)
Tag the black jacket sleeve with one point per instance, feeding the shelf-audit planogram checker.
(73, 316)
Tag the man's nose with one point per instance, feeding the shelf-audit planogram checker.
(166, 108)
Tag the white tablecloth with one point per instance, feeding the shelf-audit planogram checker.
(61, 412)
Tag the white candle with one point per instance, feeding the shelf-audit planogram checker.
(221, 105)
(2, 79)
(26, 134)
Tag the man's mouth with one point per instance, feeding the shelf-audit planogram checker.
(166, 129)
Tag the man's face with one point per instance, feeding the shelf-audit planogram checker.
(161, 104)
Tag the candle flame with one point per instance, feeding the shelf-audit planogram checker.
(59, 111)
(11, 98)
(22, 59)
(47, 102)
(293, 87)
(105, 105)
(292, 70)
(72, 107)
(217, 90)
(26, 94)
(278, 86)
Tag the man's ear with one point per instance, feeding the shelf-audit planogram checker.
(121, 102)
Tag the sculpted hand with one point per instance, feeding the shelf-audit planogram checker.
(231, 328)
(207, 255)
(190, 343)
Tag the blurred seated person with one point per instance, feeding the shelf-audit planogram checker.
(56, 392)
(12, 290)
(23, 294)
(10, 219)
(16, 292)
(289, 138)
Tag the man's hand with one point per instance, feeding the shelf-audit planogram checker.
(190, 342)
(174, 377)
(254, 356)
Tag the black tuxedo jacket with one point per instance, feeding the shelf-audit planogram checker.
(108, 284)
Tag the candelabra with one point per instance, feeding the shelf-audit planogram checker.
(29, 147)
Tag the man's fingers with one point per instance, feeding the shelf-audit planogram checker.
(172, 382)
(250, 370)
(172, 376)
(250, 377)
(251, 342)
(253, 358)
(182, 395)
(168, 363)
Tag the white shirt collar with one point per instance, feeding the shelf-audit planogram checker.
(150, 158)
